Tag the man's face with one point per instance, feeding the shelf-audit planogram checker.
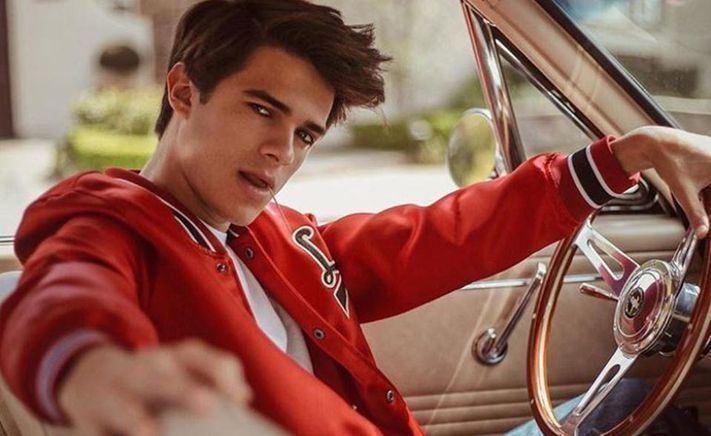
(251, 135)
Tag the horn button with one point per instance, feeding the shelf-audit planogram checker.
(645, 307)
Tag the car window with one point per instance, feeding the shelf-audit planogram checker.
(664, 44)
(542, 126)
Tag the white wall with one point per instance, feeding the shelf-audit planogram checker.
(53, 50)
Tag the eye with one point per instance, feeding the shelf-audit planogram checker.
(260, 110)
(305, 137)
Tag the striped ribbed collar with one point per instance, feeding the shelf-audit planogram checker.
(193, 226)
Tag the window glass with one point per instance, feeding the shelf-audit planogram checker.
(542, 126)
(664, 44)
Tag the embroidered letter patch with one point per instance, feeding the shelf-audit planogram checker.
(330, 276)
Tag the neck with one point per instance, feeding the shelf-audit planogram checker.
(165, 171)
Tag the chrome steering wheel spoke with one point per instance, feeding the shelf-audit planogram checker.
(589, 241)
(594, 291)
(684, 253)
(612, 373)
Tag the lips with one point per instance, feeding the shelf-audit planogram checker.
(261, 181)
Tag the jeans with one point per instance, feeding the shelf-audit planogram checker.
(622, 400)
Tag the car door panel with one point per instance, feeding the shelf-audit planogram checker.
(428, 351)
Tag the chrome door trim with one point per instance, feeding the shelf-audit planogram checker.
(642, 200)
(494, 89)
(518, 283)
(488, 44)
(514, 57)
(491, 346)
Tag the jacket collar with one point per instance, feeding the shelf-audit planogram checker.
(193, 226)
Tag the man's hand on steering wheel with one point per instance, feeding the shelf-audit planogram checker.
(682, 160)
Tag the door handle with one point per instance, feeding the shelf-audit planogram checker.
(491, 346)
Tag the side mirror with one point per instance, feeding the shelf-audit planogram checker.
(472, 149)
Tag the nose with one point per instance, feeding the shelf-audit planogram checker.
(279, 147)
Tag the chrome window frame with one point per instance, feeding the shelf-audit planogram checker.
(489, 44)
(493, 84)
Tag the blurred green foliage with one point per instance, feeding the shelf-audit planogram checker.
(113, 127)
(96, 148)
(423, 136)
(386, 135)
(132, 112)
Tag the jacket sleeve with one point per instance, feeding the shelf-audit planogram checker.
(78, 289)
(405, 256)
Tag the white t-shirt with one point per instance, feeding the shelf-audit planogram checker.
(274, 321)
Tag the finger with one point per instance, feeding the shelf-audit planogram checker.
(694, 208)
(216, 368)
(706, 196)
(160, 380)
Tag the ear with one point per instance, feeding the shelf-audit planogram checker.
(181, 91)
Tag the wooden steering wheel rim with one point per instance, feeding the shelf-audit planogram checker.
(690, 346)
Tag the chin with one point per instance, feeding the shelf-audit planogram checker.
(245, 217)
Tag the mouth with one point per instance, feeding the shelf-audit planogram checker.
(262, 182)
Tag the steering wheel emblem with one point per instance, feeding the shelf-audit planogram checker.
(634, 303)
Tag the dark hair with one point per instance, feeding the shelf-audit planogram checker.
(214, 38)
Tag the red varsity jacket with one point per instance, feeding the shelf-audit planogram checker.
(110, 257)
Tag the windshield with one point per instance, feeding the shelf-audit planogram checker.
(664, 44)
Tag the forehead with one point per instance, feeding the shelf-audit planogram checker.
(289, 78)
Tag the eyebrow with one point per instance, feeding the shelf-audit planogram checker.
(283, 107)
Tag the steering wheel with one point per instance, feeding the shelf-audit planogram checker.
(656, 311)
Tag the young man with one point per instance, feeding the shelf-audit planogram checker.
(149, 290)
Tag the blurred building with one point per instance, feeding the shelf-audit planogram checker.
(665, 43)
(54, 47)
(6, 125)
(164, 16)
(53, 50)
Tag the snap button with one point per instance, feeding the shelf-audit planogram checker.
(249, 253)
(221, 268)
(319, 334)
(389, 396)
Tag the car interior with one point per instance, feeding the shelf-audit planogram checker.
(478, 361)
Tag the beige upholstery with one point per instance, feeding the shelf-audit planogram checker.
(7, 408)
(8, 261)
(8, 281)
(17, 420)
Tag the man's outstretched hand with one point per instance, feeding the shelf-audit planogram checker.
(113, 391)
(681, 158)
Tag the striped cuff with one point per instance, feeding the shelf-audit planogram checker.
(598, 175)
(53, 363)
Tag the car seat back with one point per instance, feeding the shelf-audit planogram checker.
(8, 282)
